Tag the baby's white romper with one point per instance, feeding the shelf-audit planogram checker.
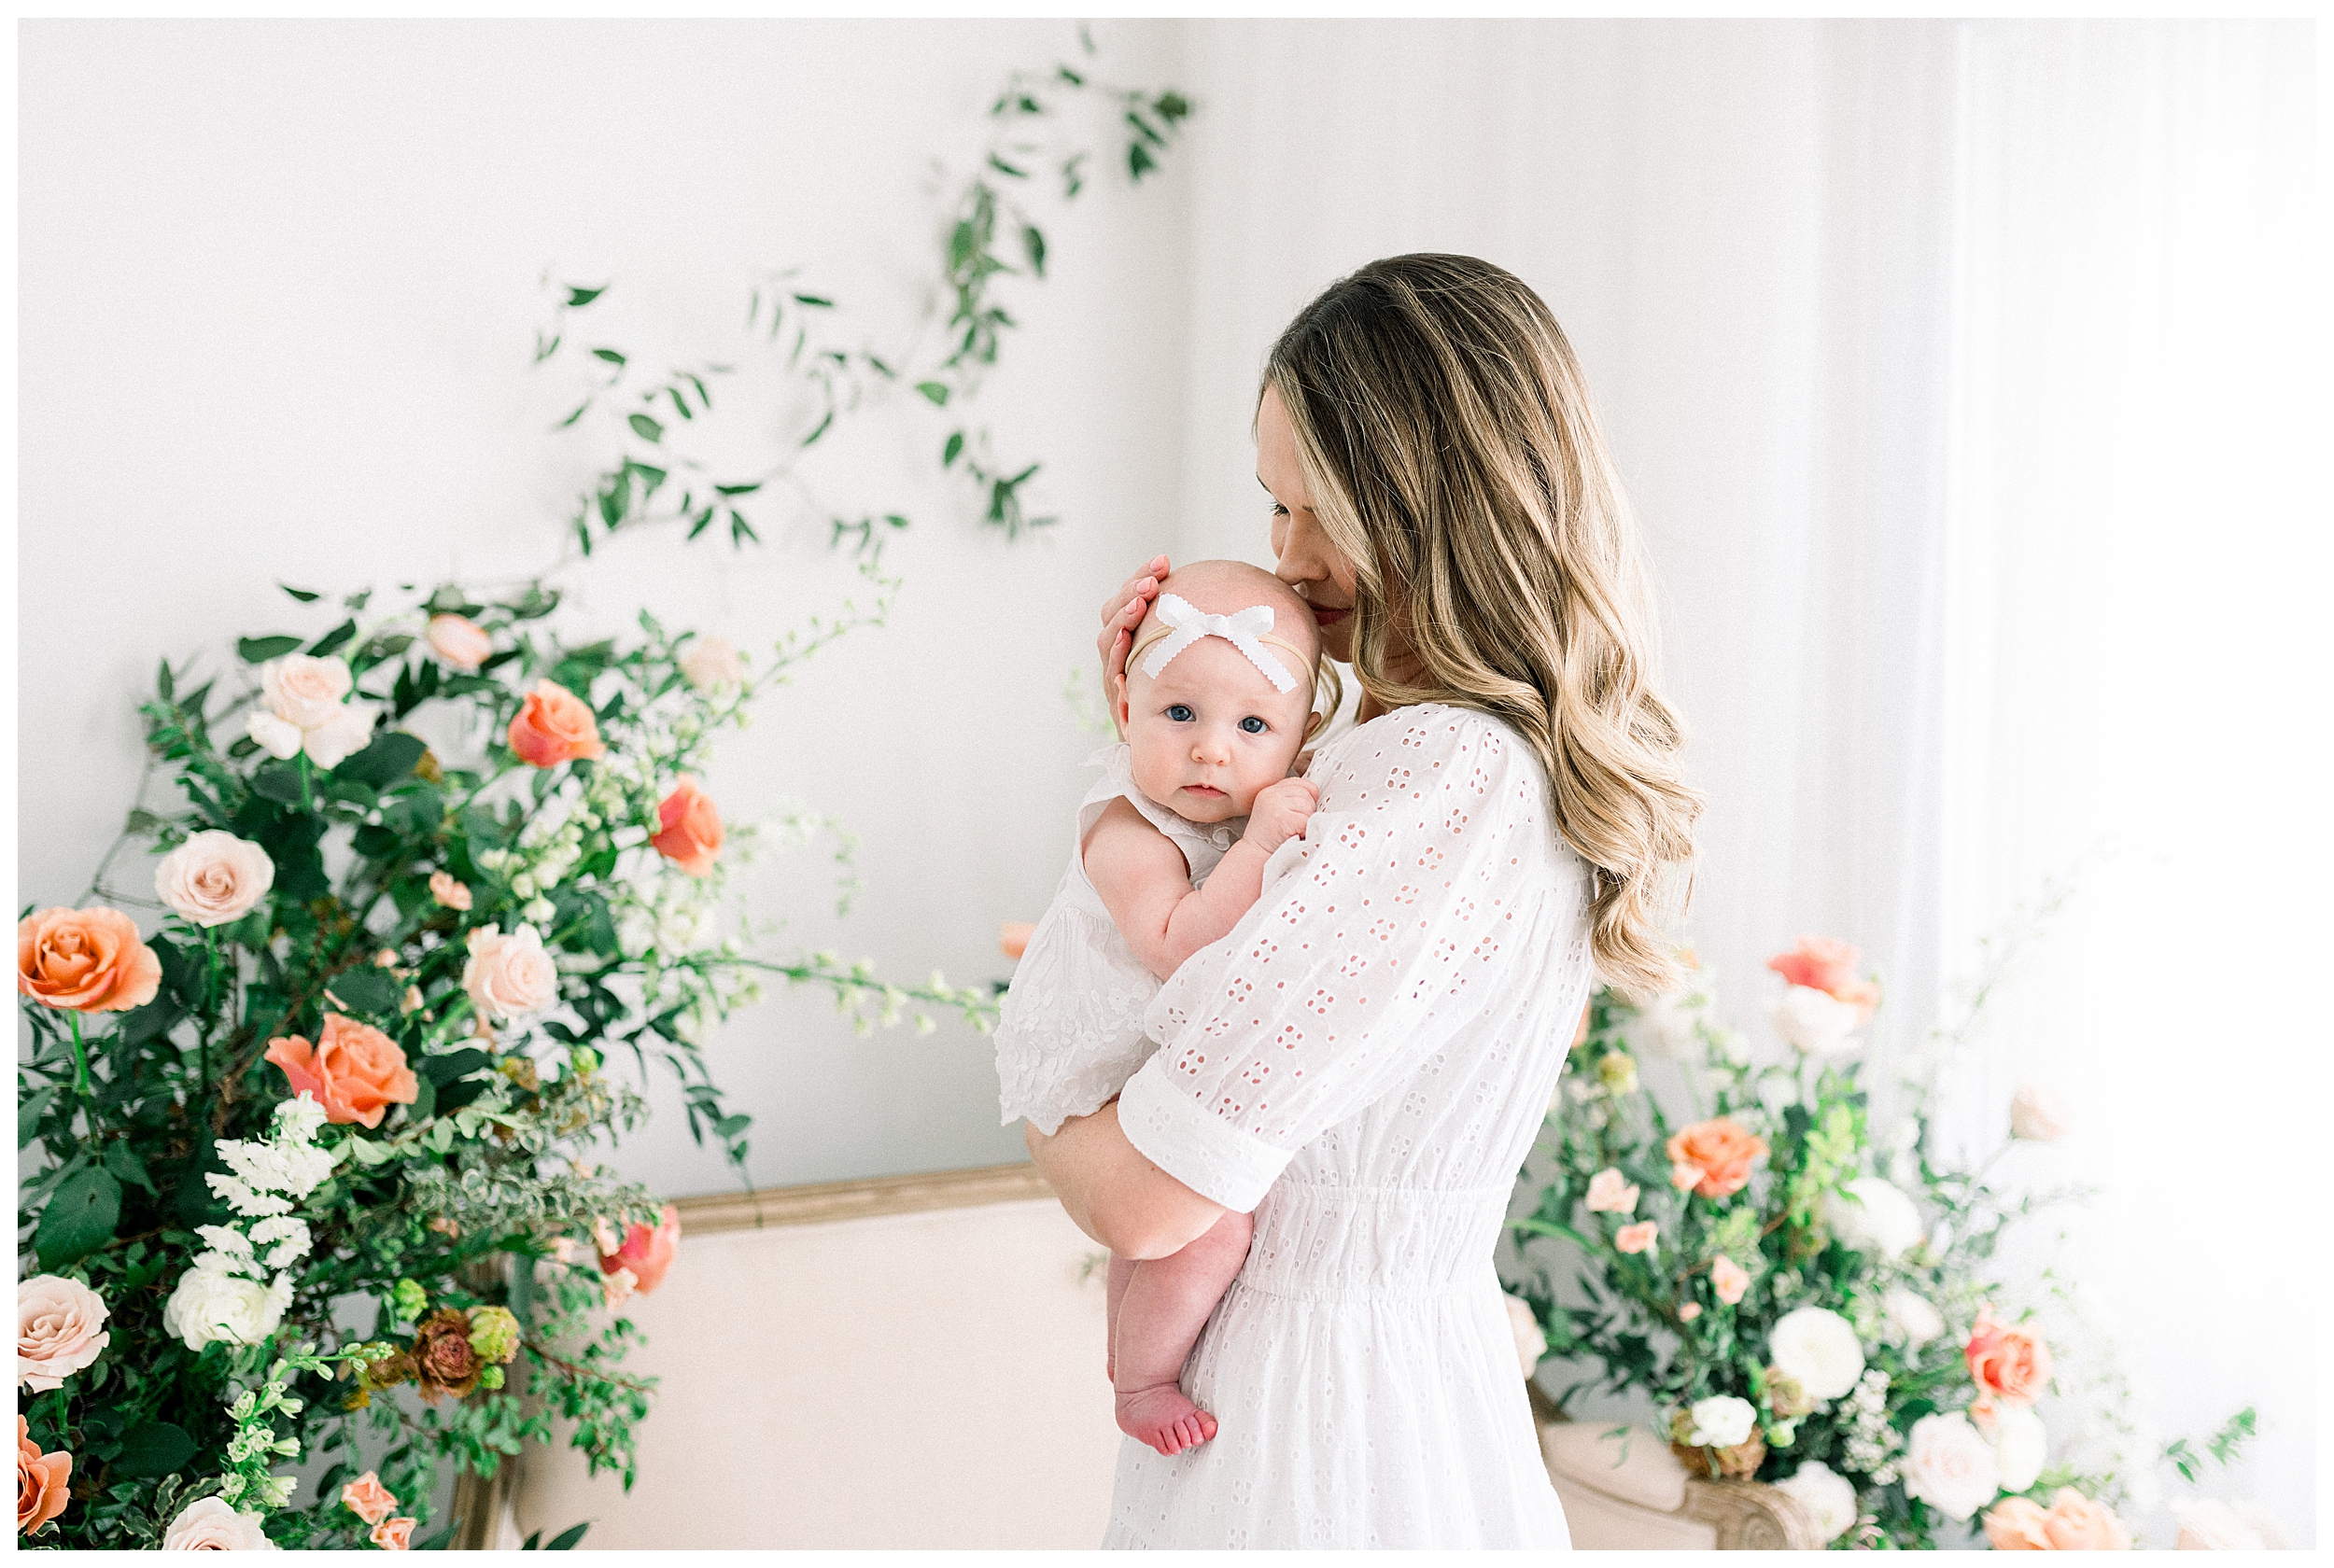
(1070, 1032)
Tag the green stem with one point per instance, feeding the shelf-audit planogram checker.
(307, 798)
(80, 1057)
(210, 1008)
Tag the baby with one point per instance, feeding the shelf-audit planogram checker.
(1171, 846)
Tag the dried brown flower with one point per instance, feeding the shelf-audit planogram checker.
(443, 1356)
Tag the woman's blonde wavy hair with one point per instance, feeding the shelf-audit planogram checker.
(1445, 432)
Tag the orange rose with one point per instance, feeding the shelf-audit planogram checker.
(368, 1499)
(555, 726)
(355, 1072)
(1722, 1149)
(2079, 1523)
(2017, 1524)
(689, 828)
(87, 959)
(40, 1482)
(2006, 1362)
(1827, 964)
(646, 1254)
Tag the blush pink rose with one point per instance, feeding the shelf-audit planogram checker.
(2006, 1362)
(57, 1325)
(1729, 1279)
(393, 1535)
(646, 1254)
(508, 976)
(689, 828)
(1611, 1193)
(553, 727)
(90, 961)
(354, 1070)
(209, 1524)
(447, 892)
(368, 1499)
(462, 643)
(1689, 1310)
(1637, 1238)
(2079, 1523)
(1827, 964)
(214, 878)
(1722, 1149)
(712, 662)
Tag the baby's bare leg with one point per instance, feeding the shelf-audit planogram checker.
(1121, 1270)
(1166, 1304)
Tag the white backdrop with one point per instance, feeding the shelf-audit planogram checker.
(1882, 318)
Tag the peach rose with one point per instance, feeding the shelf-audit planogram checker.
(462, 643)
(368, 1499)
(1689, 1310)
(508, 976)
(1722, 1149)
(394, 1534)
(214, 878)
(447, 892)
(1012, 937)
(1684, 1176)
(40, 1482)
(57, 1322)
(2079, 1523)
(354, 1070)
(712, 662)
(1611, 1193)
(1827, 964)
(1729, 1279)
(555, 726)
(87, 959)
(2016, 1524)
(210, 1524)
(647, 1253)
(1637, 1238)
(689, 828)
(2006, 1362)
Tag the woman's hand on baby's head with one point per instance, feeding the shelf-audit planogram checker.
(1122, 611)
(1280, 813)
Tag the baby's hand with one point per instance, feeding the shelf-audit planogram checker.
(1280, 813)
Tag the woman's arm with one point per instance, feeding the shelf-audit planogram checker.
(1116, 1195)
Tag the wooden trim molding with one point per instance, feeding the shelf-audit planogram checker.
(824, 1202)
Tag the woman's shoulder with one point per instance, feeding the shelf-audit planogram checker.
(1435, 734)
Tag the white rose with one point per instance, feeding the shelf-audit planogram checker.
(2207, 1525)
(2038, 1115)
(1817, 1349)
(210, 1304)
(712, 662)
(1950, 1466)
(510, 977)
(1829, 1497)
(1664, 1027)
(303, 690)
(276, 736)
(1815, 1021)
(214, 878)
(341, 737)
(1912, 1318)
(2020, 1444)
(1530, 1343)
(210, 1525)
(1721, 1423)
(1873, 1216)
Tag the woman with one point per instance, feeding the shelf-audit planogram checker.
(1364, 1062)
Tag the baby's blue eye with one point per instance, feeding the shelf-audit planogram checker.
(1253, 724)
(1179, 713)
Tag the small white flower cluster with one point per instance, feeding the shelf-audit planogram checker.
(1872, 1442)
(228, 1294)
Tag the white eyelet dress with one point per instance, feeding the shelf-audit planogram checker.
(1365, 1062)
(1070, 1031)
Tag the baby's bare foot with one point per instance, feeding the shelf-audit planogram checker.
(1164, 1418)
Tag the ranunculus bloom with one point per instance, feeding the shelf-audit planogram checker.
(2079, 1523)
(1950, 1466)
(1722, 1421)
(646, 1252)
(394, 1534)
(447, 892)
(2016, 1524)
(1012, 937)
(209, 1524)
(354, 1070)
(1722, 1151)
(40, 1481)
(461, 642)
(1818, 1347)
(2007, 1362)
(2037, 1115)
(1827, 964)
(508, 976)
(214, 878)
(57, 1323)
(368, 1499)
(712, 662)
(689, 828)
(1611, 1193)
(1873, 1216)
(87, 959)
(1728, 1279)
(211, 1303)
(1637, 1238)
(1530, 1343)
(1829, 1497)
(555, 726)
(443, 1358)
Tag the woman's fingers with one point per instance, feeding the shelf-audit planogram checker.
(1140, 586)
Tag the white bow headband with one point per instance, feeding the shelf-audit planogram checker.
(1247, 631)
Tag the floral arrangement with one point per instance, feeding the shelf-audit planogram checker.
(1805, 1309)
(361, 1061)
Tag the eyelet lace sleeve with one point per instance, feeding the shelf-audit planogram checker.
(1427, 855)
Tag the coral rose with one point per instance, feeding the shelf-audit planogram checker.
(2079, 1523)
(1728, 1279)
(214, 878)
(2016, 1524)
(461, 642)
(57, 1322)
(209, 1524)
(2006, 1362)
(508, 976)
(689, 828)
(443, 1358)
(354, 1070)
(396, 1535)
(90, 961)
(1637, 1238)
(1722, 1151)
(368, 1499)
(40, 1482)
(553, 727)
(1827, 964)
(447, 892)
(647, 1253)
